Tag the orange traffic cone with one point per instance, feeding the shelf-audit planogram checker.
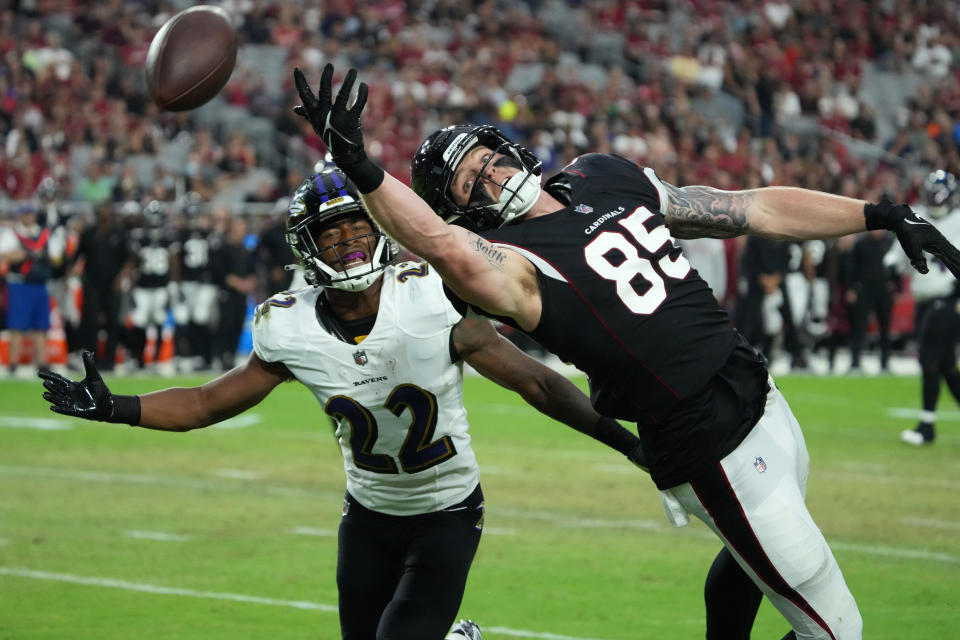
(56, 337)
(165, 366)
(5, 349)
(150, 349)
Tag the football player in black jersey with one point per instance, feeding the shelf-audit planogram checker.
(586, 265)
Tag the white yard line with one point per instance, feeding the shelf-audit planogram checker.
(313, 531)
(237, 474)
(914, 414)
(895, 552)
(931, 524)
(108, 477)
(169, 591)
(42, 424)
(554, 518)
(234, 597)
(159, 536)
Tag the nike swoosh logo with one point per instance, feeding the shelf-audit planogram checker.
(909, 221)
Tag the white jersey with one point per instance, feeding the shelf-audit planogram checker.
(396, 397)
(938, 282)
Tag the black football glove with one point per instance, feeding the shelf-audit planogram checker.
(915, 235)
(89, 398)
(339, 125)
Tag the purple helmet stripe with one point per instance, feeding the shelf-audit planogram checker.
(339, 184)
(318, 181)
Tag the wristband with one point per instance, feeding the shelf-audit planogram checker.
(364, 173)
(882, 215)
(126, 410)
(611, 433)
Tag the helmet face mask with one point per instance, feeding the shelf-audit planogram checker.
(320, 201)
(437, 159)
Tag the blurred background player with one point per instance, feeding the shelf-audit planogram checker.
(869, 291)
(381, 348)
(105, 261)
(936, 312)
(154, 244)
(195, 302)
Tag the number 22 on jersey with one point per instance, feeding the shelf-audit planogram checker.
(650, 267)
(418, 452)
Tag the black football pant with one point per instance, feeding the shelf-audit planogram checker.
(880, 302)
(939, 333)
(403, 577)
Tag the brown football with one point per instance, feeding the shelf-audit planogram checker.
(191, 58)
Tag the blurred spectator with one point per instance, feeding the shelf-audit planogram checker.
(104, 261)
(235, 272)
(748, 94)
(95, 186)
(26, 249)
(274, 252)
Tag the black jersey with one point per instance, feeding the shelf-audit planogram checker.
(195, 253)
(153, 247)
(622, 304)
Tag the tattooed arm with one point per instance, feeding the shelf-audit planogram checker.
(498, 280)
(779, 213)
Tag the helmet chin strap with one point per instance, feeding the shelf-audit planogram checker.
(518, 195)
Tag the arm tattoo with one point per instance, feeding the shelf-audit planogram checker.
(493, 255)
(698, 212)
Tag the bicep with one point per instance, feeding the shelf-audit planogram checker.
(484, 274)
(700, 211)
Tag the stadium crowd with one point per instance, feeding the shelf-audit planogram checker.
(861, 99)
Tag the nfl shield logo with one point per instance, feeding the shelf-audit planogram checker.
(583, 208)
(360, 357)
(760, 464)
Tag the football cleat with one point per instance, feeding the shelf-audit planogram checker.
(467, 629)
(917, 437)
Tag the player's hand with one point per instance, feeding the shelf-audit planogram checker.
(89, 398)
(336, 124)
(915, 235)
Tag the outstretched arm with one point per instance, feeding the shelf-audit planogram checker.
(173, 409)
(779, 213)
(784, 213)
(500, 281)
(498, 359)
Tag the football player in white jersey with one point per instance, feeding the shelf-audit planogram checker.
(381, 348)
(937, 316)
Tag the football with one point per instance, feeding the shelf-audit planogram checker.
(191, 58)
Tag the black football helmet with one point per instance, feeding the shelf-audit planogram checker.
(940, 191)
(432, 168)
(318, 201)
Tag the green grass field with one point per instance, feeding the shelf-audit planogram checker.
(110, 532)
